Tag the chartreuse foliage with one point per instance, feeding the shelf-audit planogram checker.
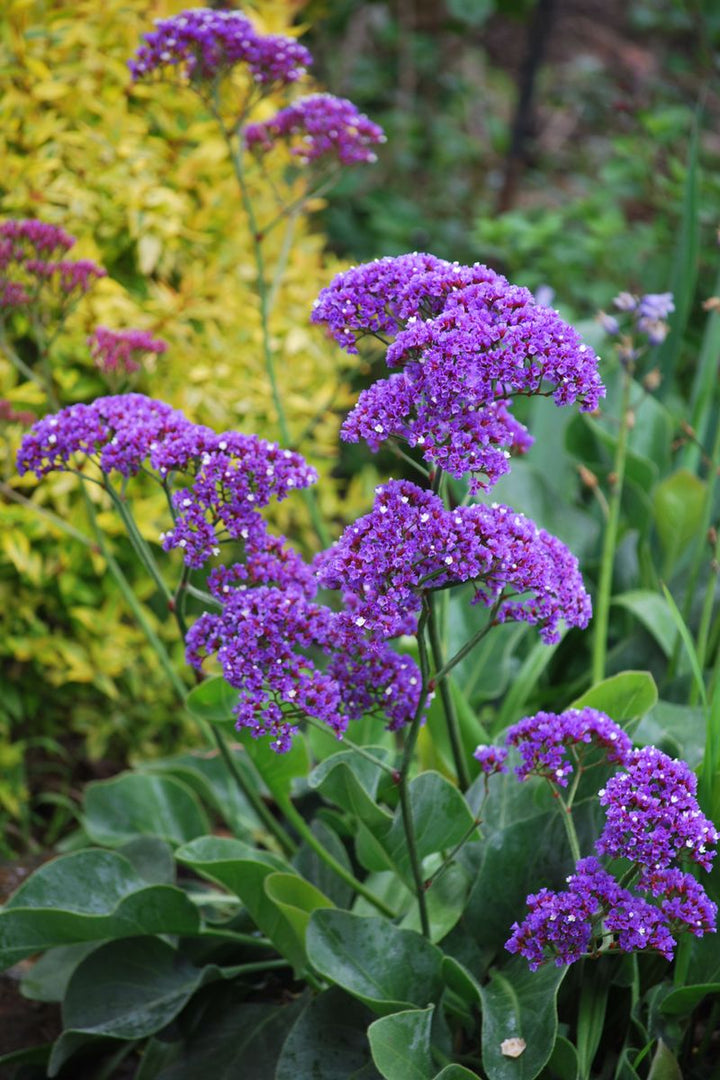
(143, 181)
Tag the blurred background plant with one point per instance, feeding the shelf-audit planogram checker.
(149, 193)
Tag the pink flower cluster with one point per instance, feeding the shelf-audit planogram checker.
(123, 350)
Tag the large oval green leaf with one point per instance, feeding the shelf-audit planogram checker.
(90, 895)
(329, 1041)
(383, 966)
(137, 803)
(623, 697)
(243, 869)
(400, 1044)
(519, 1004)
(351, 781)
(126, 990)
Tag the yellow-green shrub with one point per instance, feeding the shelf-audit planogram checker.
(141, 177)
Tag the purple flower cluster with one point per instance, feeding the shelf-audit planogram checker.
(465, 343)
(649, 315)
(123, 350)
(652, 813)
(543, 741)
(317, 126)
(28, 238)
(30, 269)
(231, 476)
(203, 44)
(595, 912)
(409, 542)
(263, 639)
(653, 820)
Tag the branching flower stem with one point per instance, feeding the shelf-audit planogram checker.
(402, 776)
(602, 602)
(451, 720)
(233, 141)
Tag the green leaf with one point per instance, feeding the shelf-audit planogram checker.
(90, 895)
(383, 966)
(664, 1064)
(702, 399)
(133, 803)
(592, 1007)
(351, 781)
(623, 697)
(455, 1072)
(329, 1040)
(689, 645)
(523, 843)
(126, 990)
(680, 730)
(445, 900)
(277, 771)
(49, 975)
(678, 505)
(296, 898)
(461, 981)
(563, 1063)
(309, 865)
(243, 869)
(152, 858)
(441, 818)
(400, 1044)
(228, 1038)
(653, 612)
(211, 780)
(519, 1004)
(213, 701)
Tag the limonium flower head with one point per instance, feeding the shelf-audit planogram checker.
(465, 342)
(268, 560)
(319, 126)
(203, 44)
(262, 639)
(123, 350)
(652, 813)
(459, 437)
(593, 914)
(222, 479)
(378, 297)
(409, 542)
(652, 821)
(543, 741)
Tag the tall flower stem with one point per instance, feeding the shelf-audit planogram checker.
(468, 647)
(402, 778)
(451, 720)
(234, 145)
(602, 603)
(569, 826)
